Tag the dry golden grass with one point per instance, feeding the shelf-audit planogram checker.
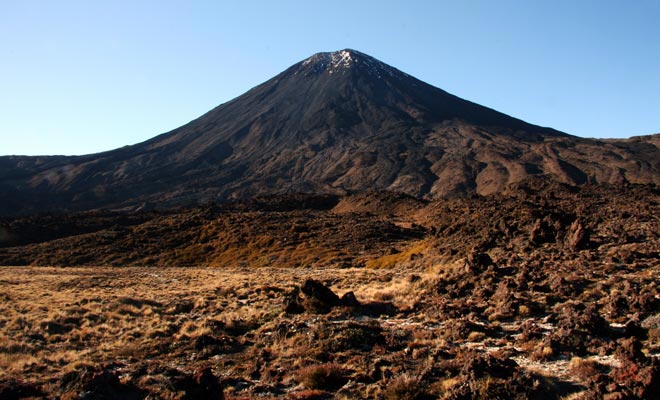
(405, 387)
(406, 257)
(55, 317)
(325, 376)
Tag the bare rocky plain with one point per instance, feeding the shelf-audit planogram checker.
(545, 291)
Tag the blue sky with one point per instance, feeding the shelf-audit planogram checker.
(79, 77)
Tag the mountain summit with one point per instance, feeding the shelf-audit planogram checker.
(338, 122)
(342, 60)
(345, 60)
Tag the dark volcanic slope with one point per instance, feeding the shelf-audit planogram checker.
(335, 122)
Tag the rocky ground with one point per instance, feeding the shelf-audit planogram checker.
(547, 291)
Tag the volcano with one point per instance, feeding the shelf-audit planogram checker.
(339, 122)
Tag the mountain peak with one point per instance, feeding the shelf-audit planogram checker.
(336, 122)
(334, 60)
(344, 60)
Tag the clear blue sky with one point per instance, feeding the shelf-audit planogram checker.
(85, 76)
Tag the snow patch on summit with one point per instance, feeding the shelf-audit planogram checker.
(332, 62)
(343, 60)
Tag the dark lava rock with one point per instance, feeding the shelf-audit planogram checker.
(212, 345)
(98, 384)
(629, 350)
(292, 303)
(585, 319)
(569, 286)
(542, 231)
(318, 297)
(317, 290)
(56, 328)
(530, 331)
(632, 328)
(577, 237)
(349, 300)
(378, 308)
(482, 365)
(293, 306)
(478, 262)
(202, 384)
(13, 389)
(635, 381)
(484, 376)
(460, 329)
